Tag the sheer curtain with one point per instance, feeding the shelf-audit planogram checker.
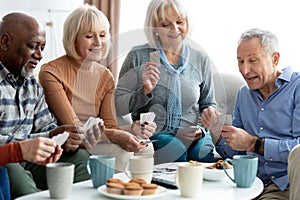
(111, 8)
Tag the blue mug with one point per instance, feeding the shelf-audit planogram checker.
(100, 168)
(244, 169)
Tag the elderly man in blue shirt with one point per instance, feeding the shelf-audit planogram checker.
(266, 118)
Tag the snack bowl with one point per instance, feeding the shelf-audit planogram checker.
(215, 174)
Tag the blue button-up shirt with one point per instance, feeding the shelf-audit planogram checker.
(23, 110)
(277, 119)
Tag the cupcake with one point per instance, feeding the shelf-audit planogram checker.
(114, 188)
(133, 189)
(138, 180)
(115, 180)
(132, 183)
(149, 189)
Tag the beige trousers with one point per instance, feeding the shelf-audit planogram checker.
(273, 192)
(293, 191)
(294, 172)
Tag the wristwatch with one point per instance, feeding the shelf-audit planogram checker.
(257, 145)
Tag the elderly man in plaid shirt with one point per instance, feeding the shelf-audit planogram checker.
(24, 113)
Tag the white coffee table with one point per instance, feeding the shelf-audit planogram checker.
(210, 190)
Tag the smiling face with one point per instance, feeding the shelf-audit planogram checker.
(23, 51)
(171, 28)
(90, 45)
(256, 66)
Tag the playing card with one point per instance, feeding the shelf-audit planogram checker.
(60, 139)
(91, 122)
(155, 57)
(225, 119)
(147, 117)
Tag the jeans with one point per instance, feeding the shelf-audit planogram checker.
(168, 148)
(4, 184)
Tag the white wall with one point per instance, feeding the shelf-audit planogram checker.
(217, 25)
(51, 13)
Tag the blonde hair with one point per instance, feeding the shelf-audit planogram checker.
(152, 18)
(84, 18)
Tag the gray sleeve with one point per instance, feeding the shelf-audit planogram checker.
(130, 97)
(207, 97)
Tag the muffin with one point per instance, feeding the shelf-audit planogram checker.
(114, 188)
(149, 189)
(133, 190)
(115, 180)
(132, 183)
(138, 180)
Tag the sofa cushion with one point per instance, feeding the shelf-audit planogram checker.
(226, 87)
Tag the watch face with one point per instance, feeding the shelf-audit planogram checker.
(257, 145)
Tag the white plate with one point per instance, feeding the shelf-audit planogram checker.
(208, 174)
(215, 174)
(160, 191)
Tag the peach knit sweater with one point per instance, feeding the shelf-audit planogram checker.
(75, 93)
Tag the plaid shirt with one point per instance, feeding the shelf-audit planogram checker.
(23, 110)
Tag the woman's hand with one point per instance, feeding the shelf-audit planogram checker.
(189, 135)
(126, 141)
(145, 130)
(150, 77)
(93, 135)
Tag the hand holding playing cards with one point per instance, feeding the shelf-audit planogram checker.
(146, 127)
(92, 136)
(145, 130)
(209, 120)
(238, 139)
(40, 150)
(216, 122)
(150, 77)
(126, 141)
(93, 130)
(73, 141)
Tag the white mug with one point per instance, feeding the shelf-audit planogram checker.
(189, 179)
(140, 167)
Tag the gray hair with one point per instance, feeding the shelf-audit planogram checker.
(269, 41)
(152, 18)
(84, 18)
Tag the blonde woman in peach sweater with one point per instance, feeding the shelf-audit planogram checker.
(77, 87)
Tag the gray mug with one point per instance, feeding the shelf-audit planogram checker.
(60, 178)
(100, 168)
(244, 169)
